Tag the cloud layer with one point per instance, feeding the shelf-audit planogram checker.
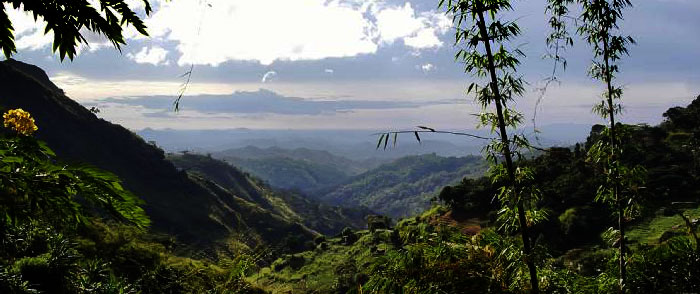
(267, 31)
(216, 31)
(259, 102)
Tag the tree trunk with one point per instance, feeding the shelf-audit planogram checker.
(534, 282)
(615, 172)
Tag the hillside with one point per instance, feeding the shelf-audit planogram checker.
(456, 249)
(194, 209)
(404, 187)
(302, 169)
(325, 219)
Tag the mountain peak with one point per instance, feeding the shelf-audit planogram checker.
(34, 72)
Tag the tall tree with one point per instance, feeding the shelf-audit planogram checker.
(598, 25)
(67, 18)
(484, 48)
(483, 42)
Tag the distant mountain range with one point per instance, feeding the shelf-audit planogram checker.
(357, 145)
(204, 201)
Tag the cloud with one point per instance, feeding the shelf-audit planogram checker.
(258, 102)
(268, 75)
(29, 34)
(223, 30)
(155, 55)
(329, 71)
(427, 67)
(85, 89)
(419, 31)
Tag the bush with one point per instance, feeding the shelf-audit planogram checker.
(319, 239)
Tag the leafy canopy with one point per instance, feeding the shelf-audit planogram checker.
(68, 19)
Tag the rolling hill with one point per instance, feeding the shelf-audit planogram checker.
(404, 187)
(302, 169)
(326, 219)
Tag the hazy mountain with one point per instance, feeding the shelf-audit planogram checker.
(357, 145)
(302, 169)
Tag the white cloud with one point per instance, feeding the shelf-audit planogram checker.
(329, 71)
(250, 30)
(29, 34)
(215, 31)
(427, 67)
(85, 89)
(268, 76)
(294, 30)
(425, 38)
(419, 31)
(397, 22)
(155, 55)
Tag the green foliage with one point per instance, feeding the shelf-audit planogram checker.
(288, 205)
(405, 187)
(307, 170)
(480, 26)
(623, 184)
(116, 258)
(472, 196)
(599, 26)
(35, 185)
(66, 19)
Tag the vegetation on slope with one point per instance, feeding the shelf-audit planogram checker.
(300, 169)
(458, 250)
(74, 229)
(406, 186)
(293, 207)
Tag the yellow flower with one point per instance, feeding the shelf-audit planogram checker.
(20, 121)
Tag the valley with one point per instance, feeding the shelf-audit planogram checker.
(349, 147)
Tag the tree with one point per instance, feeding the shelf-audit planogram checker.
(66, 19)
(484, 46)
(598, 25)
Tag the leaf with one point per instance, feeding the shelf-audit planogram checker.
(427, 128)
(379, 143)
(417, 137)
(386, 140)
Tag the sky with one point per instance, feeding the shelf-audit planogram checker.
(349, 64)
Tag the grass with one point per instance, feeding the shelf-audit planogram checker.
(319, 272)
(649, 231)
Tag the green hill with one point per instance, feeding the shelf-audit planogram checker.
(300, 169)
(323, 218)
(404, 187)
(457, 250)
